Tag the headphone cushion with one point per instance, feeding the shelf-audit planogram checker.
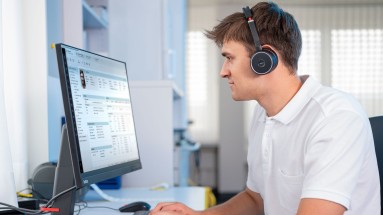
(263, 62)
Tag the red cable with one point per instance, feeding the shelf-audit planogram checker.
(50, 209)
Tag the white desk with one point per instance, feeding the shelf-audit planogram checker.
(193, 197)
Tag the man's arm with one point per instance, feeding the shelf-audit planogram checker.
(311, 206)
(246, 202)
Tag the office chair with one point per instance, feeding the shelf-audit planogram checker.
(377, 131)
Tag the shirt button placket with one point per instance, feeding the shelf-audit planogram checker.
(266, 141)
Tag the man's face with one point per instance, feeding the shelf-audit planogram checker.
(237, 70)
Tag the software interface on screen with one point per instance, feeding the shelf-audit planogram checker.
(102, 107)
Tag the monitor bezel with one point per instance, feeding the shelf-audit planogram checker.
(81, 178)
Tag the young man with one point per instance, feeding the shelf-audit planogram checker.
(311, 149)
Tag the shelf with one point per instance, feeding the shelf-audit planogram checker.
(91, 19)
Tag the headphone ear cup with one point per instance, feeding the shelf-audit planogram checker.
(263, 62)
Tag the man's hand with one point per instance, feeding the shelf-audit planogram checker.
(245, 203)
(173, 208)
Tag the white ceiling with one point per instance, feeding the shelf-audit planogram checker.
(284, 2)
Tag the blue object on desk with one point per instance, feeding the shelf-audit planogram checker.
(113, 183)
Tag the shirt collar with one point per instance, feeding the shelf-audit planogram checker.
(297, 103)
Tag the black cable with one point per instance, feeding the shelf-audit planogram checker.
(22, 210)
(50, 202)
(47, 205)
(82, 205)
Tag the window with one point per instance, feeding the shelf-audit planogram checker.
(196, 65)
(310, 59)
(201, 89)
(357, 66)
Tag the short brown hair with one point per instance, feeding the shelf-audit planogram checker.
(275, 27)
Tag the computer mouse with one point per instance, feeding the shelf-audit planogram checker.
(135, 206)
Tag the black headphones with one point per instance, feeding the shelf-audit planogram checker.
(263, 61)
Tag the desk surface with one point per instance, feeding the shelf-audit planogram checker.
(193, 197)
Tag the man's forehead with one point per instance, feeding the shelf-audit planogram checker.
(232, 46)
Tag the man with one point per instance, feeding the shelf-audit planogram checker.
(82, 78)
(311, 149)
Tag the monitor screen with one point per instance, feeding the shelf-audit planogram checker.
(98, 111)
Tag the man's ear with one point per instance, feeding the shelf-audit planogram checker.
(266, 46)
(269, 47)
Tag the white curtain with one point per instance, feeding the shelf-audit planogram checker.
(7, 185)
(343, 47)
(15, 88)
(25, 48)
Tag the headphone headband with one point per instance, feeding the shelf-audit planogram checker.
(263, 61)
(253, 29)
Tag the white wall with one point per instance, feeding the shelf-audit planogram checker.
(136, 37)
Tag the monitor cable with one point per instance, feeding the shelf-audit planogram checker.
(47, 208)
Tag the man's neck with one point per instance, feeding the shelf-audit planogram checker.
(282, 90)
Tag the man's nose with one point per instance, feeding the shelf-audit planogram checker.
(224, 71)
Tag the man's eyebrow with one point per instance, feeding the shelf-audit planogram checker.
(224, 54)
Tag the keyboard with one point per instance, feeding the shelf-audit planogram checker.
(141, 213)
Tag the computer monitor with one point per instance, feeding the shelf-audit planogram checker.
(99, 141)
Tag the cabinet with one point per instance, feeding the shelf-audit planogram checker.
(204, 166)
(153, 110)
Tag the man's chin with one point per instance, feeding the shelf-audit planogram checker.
(237, 98)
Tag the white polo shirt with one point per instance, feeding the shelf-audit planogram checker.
(319, 146)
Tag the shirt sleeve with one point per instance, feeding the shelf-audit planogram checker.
(334, 157)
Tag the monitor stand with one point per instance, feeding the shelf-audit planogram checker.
(64, 178)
